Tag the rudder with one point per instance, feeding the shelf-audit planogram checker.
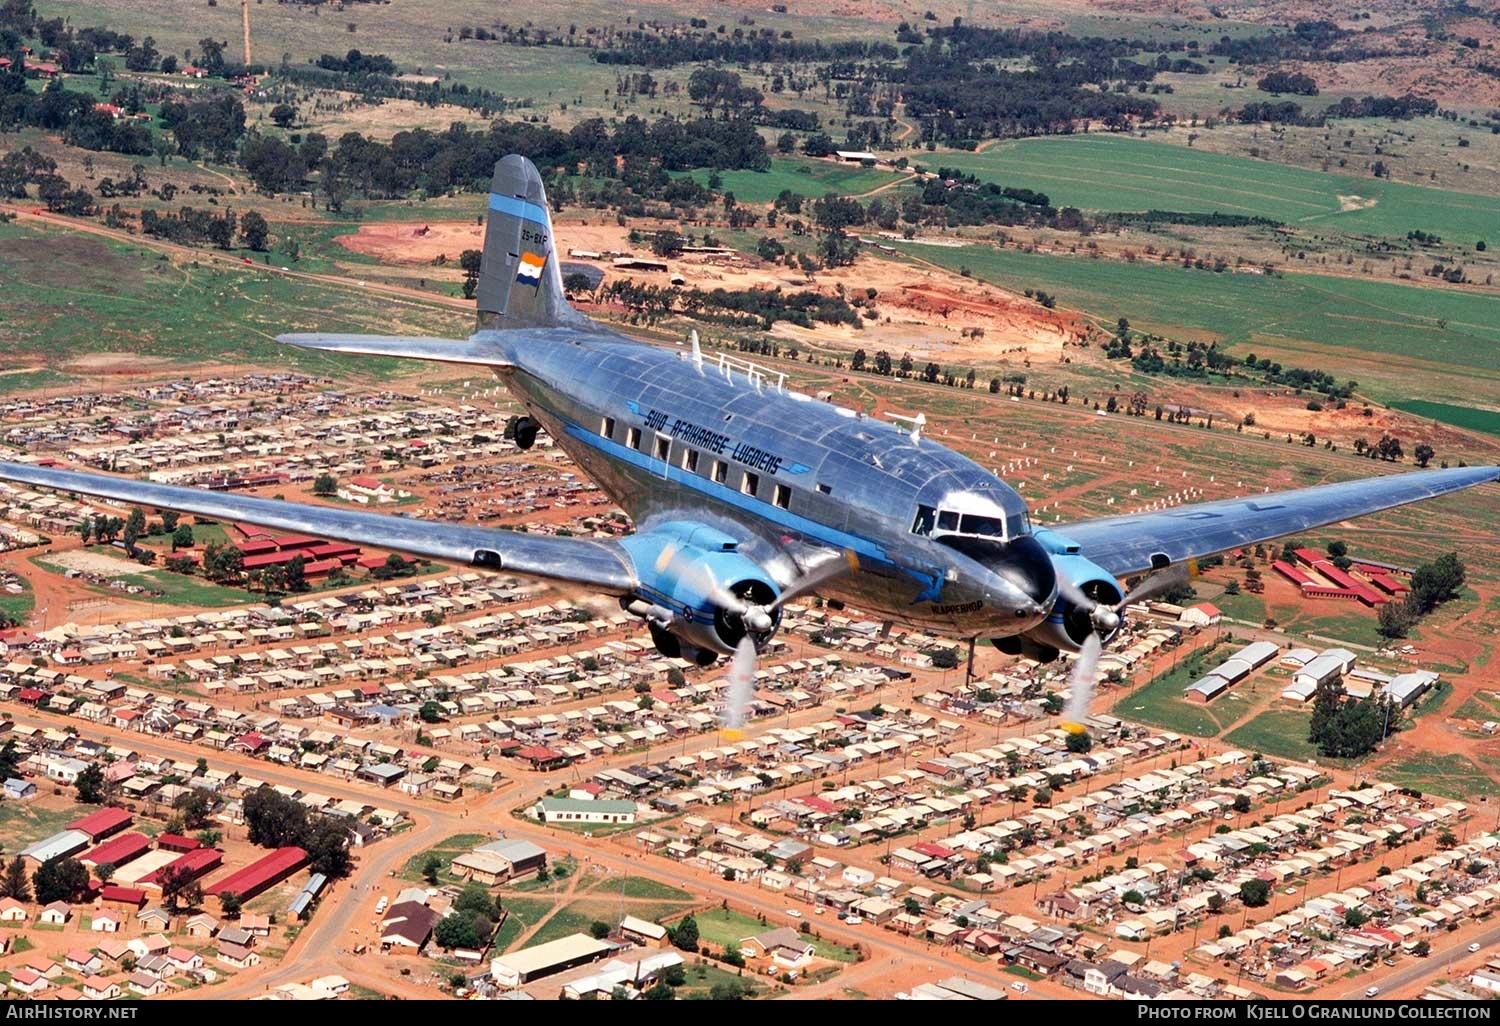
(520, 280)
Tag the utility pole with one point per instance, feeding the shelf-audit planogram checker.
(245, 18)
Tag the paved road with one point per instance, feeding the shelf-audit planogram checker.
(1423, 969)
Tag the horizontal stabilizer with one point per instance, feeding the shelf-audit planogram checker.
(483, 352)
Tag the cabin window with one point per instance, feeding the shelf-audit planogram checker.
(750, 483)
(782, 496)
(607, 428)
(825, 489)
(663, 447)
(947, 520)
(690, 460)
(926, 517)
(633, 437)
(983, 527)
(721, 472)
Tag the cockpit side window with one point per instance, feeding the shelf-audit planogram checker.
(922, 525)
(947, 521)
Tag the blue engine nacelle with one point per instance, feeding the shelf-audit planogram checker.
(681, 567)
(1067, 625)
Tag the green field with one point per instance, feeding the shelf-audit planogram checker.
(1443, 332)
(446, 850)
(176, 589)
(1487, 421)
(804, 176)
(123, 299)
(724, 928)
(1160, 703)
(1112, 172)
(1280, 732)
(22, 823)
(1450, 775)
(18, 607)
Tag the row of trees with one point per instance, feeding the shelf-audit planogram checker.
(1432, 584)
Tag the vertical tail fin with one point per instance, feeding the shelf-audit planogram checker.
(520, 280)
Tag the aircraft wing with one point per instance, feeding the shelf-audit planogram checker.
(600, 565)
(1132, 544)
(411, 347)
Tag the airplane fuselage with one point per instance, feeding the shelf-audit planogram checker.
(670, 439)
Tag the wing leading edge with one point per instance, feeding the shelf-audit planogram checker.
(1133, 544)
(601, 565)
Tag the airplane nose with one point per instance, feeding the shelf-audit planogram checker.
(1025, 564)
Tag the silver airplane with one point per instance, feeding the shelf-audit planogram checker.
(746, 494)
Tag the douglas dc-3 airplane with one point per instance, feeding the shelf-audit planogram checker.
(746, 494)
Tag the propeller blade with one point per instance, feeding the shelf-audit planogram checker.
(1157, 584)
(741, 683)
(811, 581)
(1074, 594)
(1081, 681)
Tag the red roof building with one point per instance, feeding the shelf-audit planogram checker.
(195, 863)
(266, 559)
(297, 541)
(176, 842)
(319, 567)
(256, 546)
(102, 822)
(265, 872)
(118, 850)
(123, 895)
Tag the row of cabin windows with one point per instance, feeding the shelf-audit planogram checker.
(718, 470)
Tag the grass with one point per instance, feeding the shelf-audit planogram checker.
(724, 928)
(1452, 775)
(1301, 318)
(1280, 732)
(1469, 417)
(1112, 172)
(1244, 606)
(510, 932)
(701, 979)
(446, 850)
(1482, 706)
(19, 606)
(120, 298)
(641, 887)
(804, 176)
(1161, 703)
(22, 824)
(176, 589)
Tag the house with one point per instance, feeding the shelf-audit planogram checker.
(183, 959)
(407, 924)
(154, 918)
(113, 950)
(646, 934)
(151, 944)
(55, 914)
(17, 789)
(97, 988)
(12, 911)
(82, 960)
(500, 861)
(125, 897)
(237, 955)
(106, 921)
(571, 810)
(783, 946)
(1204, 614)
(202, 925)
(28, 982)
(146, 985)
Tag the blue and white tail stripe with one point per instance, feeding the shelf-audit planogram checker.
(516, 207)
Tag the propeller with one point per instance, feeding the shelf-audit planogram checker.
(755, 618)
(1105, 620)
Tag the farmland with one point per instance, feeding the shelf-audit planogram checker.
(805, 177)
(1111, 172)
(1487, 421)
(1440, 333)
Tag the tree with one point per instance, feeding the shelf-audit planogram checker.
(325, 484)
(430, 868)
(255, 231)
(430, 712)
(90, 785)
(470, 261)
(60, 879)
(456, 931)
(275, 821)
(667, 243)
(1424, 454)
(328, 848)
(182, 537)
(1255, 893)
(1421, 949)
(659, 992)
(284, 114)
(685, 934)
(1216, 903)
(10, 760)
(177, 885)
(1079, 742)
(1354, 918)
(135, 526)
(729, 990)
(1241, 803)
(16, 884)
(1395, 619)
(194, 806)
(1133, 898)
(598, 929)
(229, 903)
